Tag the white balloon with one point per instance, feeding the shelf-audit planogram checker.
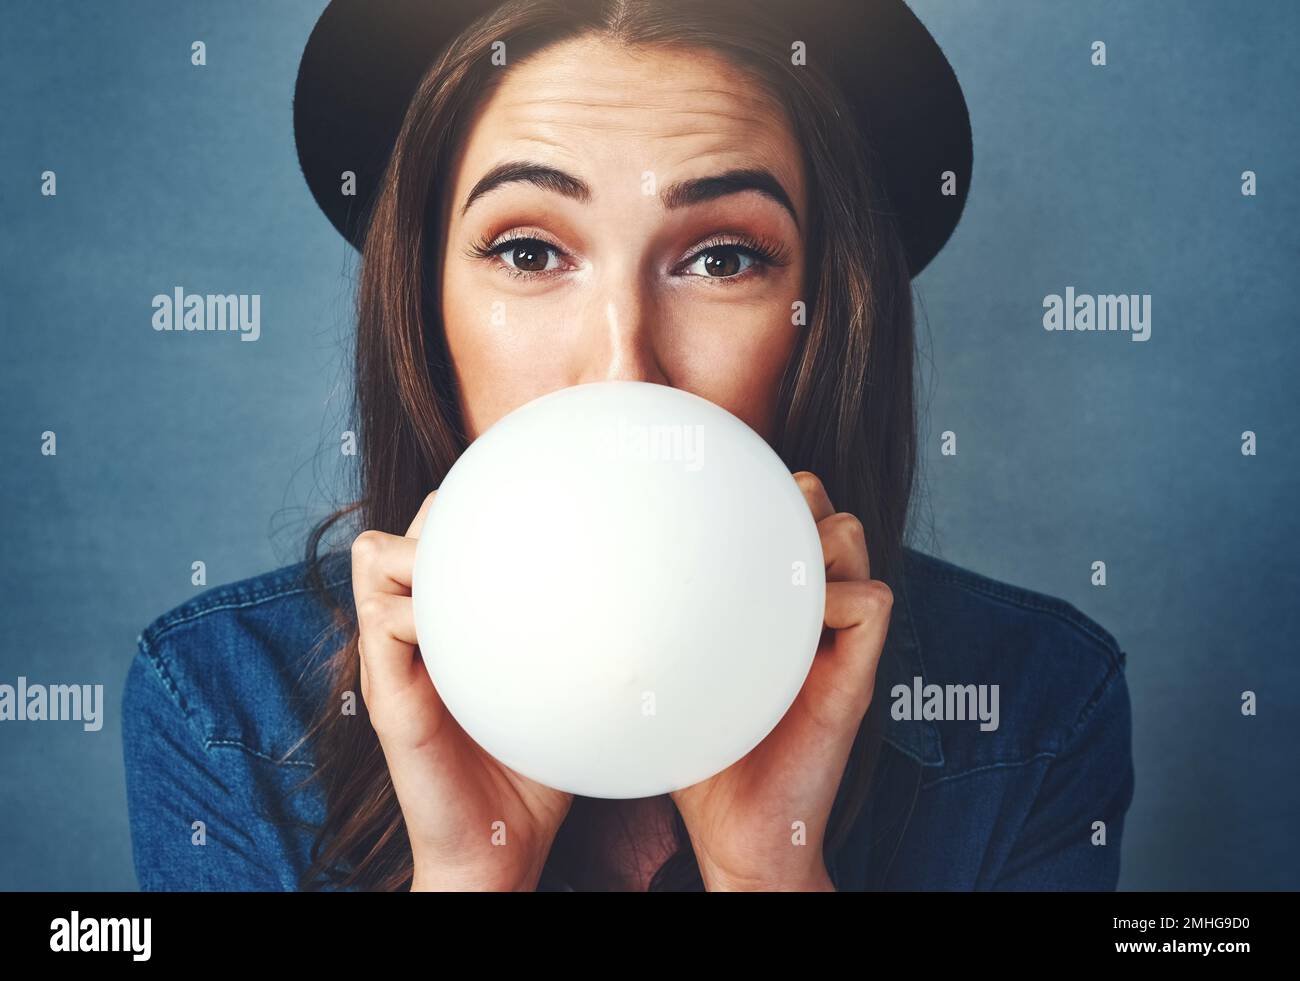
(619, 589)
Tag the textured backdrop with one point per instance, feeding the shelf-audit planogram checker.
(1073, 447)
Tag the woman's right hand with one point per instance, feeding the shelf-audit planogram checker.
(473, 823)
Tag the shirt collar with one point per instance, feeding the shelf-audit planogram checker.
(900, 662)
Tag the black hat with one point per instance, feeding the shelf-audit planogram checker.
(364, 59)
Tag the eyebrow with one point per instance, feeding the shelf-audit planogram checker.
(680, 195)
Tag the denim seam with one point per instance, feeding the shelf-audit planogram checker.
(990, 766)
(160, 669)
(1019, 598)
(1085, 714)
(236, 744)
(1091, 705)
(145, 643)
(910, 642)
(224, 601)
(902, 745)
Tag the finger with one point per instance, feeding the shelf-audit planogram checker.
(842, 678)
(417, 525)
(382, 562)
(844, 544)
(858, 604)
(381, 572)
(815, 494)
(387, 648)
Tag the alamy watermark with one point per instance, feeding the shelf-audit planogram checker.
(946, 703)
(234, 312)
(53, 703)
(621, 440)
(72, 934)
(1106, 311)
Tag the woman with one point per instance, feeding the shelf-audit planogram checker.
(693, 195)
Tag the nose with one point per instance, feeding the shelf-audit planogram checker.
(619, 335)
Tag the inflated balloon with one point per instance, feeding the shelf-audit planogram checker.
(619, 589)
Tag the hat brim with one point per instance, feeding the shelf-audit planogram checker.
(364, 59)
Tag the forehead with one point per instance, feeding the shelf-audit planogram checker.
(614, 111)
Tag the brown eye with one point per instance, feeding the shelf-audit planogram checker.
(725, 261)
(722, 262)
(523, 256)
(530, 255)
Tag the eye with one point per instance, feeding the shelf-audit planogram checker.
(722, 262)
(737, 258)
(525, 256)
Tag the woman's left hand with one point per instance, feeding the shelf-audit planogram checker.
(742, 821)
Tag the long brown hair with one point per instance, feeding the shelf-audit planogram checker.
(845, 407)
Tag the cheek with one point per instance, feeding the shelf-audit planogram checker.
(514, 345)
(734, 354)
(503, 348)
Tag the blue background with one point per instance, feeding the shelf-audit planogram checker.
(1072, 446)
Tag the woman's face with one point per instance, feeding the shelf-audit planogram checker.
(600, 257)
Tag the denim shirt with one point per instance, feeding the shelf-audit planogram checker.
(218, 692)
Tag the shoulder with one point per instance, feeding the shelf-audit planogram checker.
(241, 661)
(1040, 667)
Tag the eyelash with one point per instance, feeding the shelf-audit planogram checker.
(763, 252)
